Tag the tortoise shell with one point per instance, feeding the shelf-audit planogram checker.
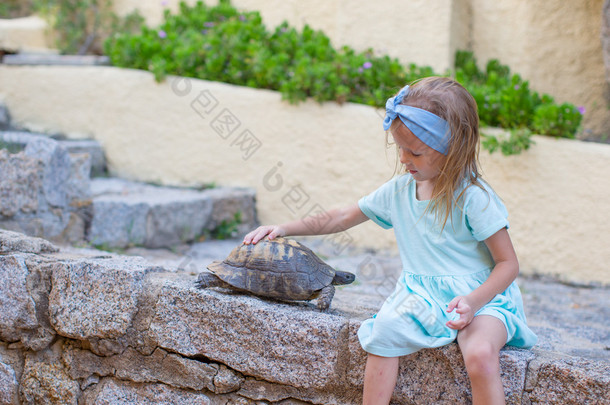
(279, 268)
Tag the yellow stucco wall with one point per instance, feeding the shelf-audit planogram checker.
(24, 34)
(307, 157)
(555, 44)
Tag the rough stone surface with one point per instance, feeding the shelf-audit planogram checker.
(21, 179)
(15, 141)
(18, 242)
(91, 148)
(88, 327)
(227, 380)
(117, 223)
(111, 391)
(44, 189)
(18, 315)
(159, 367)
(567, 318)
(226, 202)
(45, 381)
(127, 213)
(260, 390)
(559, 379)
(9, 385)
(254, 336)
(96, 298)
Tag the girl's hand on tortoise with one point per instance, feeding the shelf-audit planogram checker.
(271, 231)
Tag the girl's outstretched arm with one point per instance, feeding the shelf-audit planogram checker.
(332, 221)
(505, 271)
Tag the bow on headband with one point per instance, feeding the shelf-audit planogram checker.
(429, 128)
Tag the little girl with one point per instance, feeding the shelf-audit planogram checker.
(459, 265)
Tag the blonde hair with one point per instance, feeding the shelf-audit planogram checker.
(449, 100)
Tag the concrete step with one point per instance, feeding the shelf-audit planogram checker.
(127, 213)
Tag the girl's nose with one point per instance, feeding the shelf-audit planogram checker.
(402, 157)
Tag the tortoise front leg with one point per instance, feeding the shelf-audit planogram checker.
(326, 296)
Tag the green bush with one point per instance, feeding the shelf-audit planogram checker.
(222, 44)
(219, 43)
(517, 141)
(557, 120)
(506, 101)
(81, 26)
(16, 8)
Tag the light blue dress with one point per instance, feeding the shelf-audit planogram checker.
(437, 267)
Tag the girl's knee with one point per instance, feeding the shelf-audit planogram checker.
(481, 359)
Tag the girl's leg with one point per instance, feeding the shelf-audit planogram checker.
(480, 343)
(379, 379)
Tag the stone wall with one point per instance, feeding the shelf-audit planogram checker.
(94, 328)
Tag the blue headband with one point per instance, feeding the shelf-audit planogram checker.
(429, 128)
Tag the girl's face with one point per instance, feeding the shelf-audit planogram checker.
(423, 162)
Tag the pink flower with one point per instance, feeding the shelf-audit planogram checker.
(367, 65)
(162, 34)
(582, 110)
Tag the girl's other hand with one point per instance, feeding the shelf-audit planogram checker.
(462, 307)
(271, 231)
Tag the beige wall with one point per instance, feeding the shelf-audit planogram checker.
(25, 34)
(557, 193)
(555, 44)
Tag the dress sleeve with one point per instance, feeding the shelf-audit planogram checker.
(485, 212)
(378, 205)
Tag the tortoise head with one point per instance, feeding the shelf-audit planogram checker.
(343, 277)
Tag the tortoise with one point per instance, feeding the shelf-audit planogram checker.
(282, 269)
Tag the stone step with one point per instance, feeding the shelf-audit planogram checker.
(46, 58)
(45, 189)
(16, 140)
(100, 327)
(52, 196)
(127, 213)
